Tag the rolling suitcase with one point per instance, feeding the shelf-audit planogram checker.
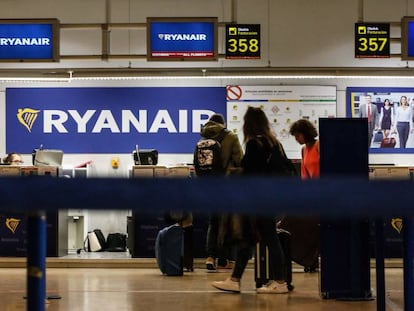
(169, 249)
(261, 260)
(305, 240)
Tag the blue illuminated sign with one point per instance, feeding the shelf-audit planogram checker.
(182, 39)
(109, 120)
(410, 39)
(29, 40)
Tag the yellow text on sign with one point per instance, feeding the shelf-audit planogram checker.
(372, 44)
(243, 45)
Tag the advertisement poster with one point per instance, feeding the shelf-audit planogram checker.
(109, 120)
(283, 105)
(390, 117)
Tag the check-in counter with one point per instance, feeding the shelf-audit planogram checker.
(142, 228)
(13, 225)
(392, 226)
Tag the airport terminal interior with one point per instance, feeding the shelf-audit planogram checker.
(120, 90)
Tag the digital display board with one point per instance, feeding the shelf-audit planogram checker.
(407, 38)
(242, 41)
(180, 39)
(29, 40)
(372, 40)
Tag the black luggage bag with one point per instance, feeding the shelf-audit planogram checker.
(305, 240)
(261, 260)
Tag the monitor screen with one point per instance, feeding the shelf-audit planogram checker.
(47, 157)
(407, 38)
(179, 39)
(29, 40)
(145, 156)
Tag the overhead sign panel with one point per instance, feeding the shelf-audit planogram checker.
(29, 40)
(372, 40)
(179, 39)
(242, 41)
(407, 38)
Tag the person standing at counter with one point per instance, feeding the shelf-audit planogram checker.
(305, 230)
(231, 153)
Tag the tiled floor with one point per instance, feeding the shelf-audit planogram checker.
(108, 289)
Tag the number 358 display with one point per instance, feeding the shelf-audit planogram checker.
(242, 41)
(372, 40)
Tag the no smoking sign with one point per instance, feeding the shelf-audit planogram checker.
(234, 92)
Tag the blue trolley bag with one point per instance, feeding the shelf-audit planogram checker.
(169, 250)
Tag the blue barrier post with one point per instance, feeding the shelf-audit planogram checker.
(408, 264)
(379, 260)
(36, 261)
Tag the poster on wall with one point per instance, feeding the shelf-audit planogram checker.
(283, 105)
(109, 120)
(389, 113)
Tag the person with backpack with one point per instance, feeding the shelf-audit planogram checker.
(225, 154)
(261, 143)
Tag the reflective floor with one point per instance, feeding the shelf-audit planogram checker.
(146, 289)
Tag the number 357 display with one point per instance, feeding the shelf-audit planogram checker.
(372, 40)
(242, 41)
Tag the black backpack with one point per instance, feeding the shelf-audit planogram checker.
(279, 164)
(207, 156)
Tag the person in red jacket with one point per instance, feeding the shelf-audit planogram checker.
(305, 230)
(306, 134)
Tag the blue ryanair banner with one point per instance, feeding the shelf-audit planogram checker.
(33, 40)
(109, 120)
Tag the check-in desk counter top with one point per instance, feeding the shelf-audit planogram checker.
(158, 171)
(23, 170)
(393, 172)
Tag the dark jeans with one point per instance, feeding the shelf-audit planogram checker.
(221, 252)
(266, 227)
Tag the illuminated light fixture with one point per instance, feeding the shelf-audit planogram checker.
(72, 78)
(31, 79)
(237, 77)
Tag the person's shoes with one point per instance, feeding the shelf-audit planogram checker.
(229, 266)
(273, 287)
(211, 264)
(228, 285)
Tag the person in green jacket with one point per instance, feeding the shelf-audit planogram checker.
(219, 252)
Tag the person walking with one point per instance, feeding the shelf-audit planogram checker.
(260, 142)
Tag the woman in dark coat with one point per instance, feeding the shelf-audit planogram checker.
(260, 143)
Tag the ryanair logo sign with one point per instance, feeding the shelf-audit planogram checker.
(27, 117)
(99, 121)
(24, 41)
(12, 224)
(397, 224)
(110, 119)
(182, 37)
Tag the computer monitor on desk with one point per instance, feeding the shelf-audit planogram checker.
(145, 156)
(47, 157)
